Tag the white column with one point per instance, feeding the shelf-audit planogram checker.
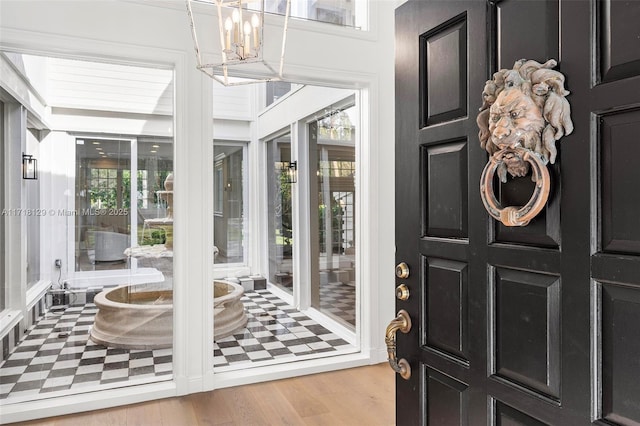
(15, 117)
(133, 196)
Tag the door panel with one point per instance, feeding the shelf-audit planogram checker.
(526, 29)
(503, 415)
(526, 330)
(444, 64)
(619, 154)
(617, 24)
(606, 101)
(515, 38)
(544, 229)
(435, 46)
(445, 177)
(620, 347)
(445, 400)
(447, 308)
(508, 321)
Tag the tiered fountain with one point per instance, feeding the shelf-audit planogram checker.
(140, 316)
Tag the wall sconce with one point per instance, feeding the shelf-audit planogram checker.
(29, 167)
(292, 172)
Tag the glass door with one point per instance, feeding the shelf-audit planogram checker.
(280, 213)
(2, 183)
(333, 206)
(102, 190)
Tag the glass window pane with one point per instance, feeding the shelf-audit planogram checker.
(276, 90)
(229, 193)
(90, 188)
(280, 213)
(333, 180)
(338, 12)
(33, 220)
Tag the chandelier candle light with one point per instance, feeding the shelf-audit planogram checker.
(241, 41)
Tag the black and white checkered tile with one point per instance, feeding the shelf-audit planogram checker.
(57, 354)
(339, 300)
(275, 330)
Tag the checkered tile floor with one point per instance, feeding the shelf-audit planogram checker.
(274, 330)
(57, 354)
(339, 299)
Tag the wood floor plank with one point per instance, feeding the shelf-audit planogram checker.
(243, 408)
(361, 396)
(273, 405)
(211, 408)
(303, 398)
(143, 415)
(176, 411)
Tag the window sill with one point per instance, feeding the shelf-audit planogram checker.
(222, 271)
(35, 293)
(8, 320)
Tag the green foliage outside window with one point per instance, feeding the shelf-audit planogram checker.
(286, 220)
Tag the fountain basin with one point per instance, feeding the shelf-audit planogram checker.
(131, 317)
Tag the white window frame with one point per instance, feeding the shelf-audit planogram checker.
(222, 270)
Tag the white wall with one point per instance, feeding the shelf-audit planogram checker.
(233, 102)
(142, 32)
(57, 195)
(109, 87)
(12, 70)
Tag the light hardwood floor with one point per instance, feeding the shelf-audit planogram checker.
(359, 396)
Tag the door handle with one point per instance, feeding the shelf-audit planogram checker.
(403, 323)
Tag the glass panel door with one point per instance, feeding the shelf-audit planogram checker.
(102, 185)
(333, 199)
(280, 213)
(2, 183)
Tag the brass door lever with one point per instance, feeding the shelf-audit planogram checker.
(403, 323)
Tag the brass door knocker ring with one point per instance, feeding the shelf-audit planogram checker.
(511, 215)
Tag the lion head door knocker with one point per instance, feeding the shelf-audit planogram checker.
(524, 112)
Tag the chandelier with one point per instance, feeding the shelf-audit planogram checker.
(240, 26)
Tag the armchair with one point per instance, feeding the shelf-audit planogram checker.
(110, 246)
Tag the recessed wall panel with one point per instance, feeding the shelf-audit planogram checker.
(446, 293)
(445, 203)
(618, 35)
(620, 352)
(444, 72)
(619, 180)
(527, 330)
